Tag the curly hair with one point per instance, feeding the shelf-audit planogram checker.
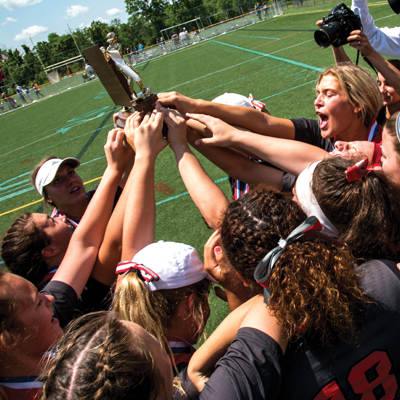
(152, 310)
(315, 292)
(365, 212)
(21, 249)
(360, 88)
(99, 358)
(254, 223)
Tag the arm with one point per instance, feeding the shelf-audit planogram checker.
(245, 117)
(236, 164)
(80, 257)
(207, 196)
(140, 212)
(385, 41)
(110, 250)
(289, 155)
(254, 314)
(389, 71)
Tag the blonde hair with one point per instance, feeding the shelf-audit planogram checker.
(360, 88)
(134, 302)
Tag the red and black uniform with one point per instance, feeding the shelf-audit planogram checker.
(366, 368)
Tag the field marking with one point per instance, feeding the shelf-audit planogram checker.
(287, 90)
(259, 37)
(271, 56)
(235, 80)
(211, 73)
(96, 179)
(25, 182)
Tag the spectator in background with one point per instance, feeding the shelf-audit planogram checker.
(36, 89)
(265, 8)
(142, 51)
(258, 10)
(135, 55)
(20, 95)
(175, 40)
(27, 92)
(129, 55)
(162, 45)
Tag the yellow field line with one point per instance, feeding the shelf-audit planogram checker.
(38, 201)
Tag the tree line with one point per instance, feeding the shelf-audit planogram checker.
(147, 19)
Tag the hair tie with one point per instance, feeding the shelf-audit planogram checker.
(256, 103)
(143, 272)
(310, 228)
(282, 243)
(359, 170)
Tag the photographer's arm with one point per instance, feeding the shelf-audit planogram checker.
(360, 41)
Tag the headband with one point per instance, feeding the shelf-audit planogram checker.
(309, 203)
(310, 228)
(360, 169)
(398, 126)
(143, 272)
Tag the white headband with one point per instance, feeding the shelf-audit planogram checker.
(309, 203)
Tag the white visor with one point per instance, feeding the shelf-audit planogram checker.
(49, 169)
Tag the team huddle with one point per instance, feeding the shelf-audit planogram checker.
(305, 253)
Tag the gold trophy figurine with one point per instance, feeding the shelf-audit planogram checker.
(113, 52)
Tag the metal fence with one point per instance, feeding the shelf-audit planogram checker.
(15, 102)
(215, 25)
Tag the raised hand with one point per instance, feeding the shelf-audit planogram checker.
(182, 103)
(116, 153)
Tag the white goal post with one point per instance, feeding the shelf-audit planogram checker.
(52, 70)
(194, 25)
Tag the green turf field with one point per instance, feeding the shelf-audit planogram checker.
(276, 60)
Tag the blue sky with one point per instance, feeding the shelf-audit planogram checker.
(21, 19)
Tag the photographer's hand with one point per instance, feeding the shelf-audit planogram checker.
(359, 41)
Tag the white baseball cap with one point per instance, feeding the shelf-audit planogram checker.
(49, 169)
(234, 99)
(175, 265)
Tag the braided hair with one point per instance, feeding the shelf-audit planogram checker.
(100, 358)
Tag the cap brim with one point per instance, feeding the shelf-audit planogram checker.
(51, 172)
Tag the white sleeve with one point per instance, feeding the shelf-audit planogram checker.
(386, 41)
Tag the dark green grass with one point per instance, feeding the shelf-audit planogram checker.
(276, 60)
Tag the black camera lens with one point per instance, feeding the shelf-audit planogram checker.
(327, 34)
(322, 38)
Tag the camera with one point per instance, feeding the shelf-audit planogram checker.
(336, 27)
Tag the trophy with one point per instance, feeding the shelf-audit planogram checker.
(118, 78)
